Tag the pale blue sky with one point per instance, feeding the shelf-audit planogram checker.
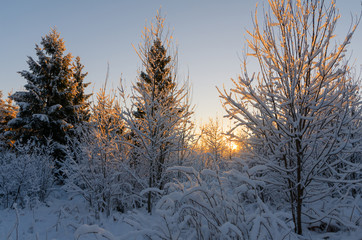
(210, 36)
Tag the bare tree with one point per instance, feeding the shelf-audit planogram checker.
(302, 111)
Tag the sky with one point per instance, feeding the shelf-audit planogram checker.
(210, 34)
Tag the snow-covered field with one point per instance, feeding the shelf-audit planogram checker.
(59, 218)
(63, 217)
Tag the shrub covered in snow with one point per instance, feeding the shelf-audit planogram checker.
(214, 205)
(97, 165)
(99, 173)
(25, 175)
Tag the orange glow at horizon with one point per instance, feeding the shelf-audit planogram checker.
(233, 146)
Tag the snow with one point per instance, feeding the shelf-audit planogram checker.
(147, 190)
(60, 218)
(23, 105)
(257, 168)
(63, 217)
(54, 108)
(95, 229)
(296, 171)
(41, 117)
(14, 121)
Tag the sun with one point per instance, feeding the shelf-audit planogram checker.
(233, 146)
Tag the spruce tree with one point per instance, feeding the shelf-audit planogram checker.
(81, 106)
(161, 110)
(54, 100)
(157, 80)
(7, 112)
(159, 83)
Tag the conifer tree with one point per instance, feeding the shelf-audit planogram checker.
(7, 112)
(161, 109)
(96, 168)
(214, 141)
(81, 106)
(106, 115)
(54, 100)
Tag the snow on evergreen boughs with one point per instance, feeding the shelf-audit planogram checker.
(159, 110)
(7, 114)
(54, 100)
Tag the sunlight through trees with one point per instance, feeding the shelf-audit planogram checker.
(284, 162)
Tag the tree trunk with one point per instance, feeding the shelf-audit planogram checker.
(299, 188)
(149, 197)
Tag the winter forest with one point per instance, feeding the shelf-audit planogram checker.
(130, 162)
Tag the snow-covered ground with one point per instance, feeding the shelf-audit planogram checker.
(64, 218)
(59, 218)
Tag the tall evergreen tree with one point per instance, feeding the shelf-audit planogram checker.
(7, 112)
(156, 79)
(81, 106)
(54, 100)
(161, 109)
